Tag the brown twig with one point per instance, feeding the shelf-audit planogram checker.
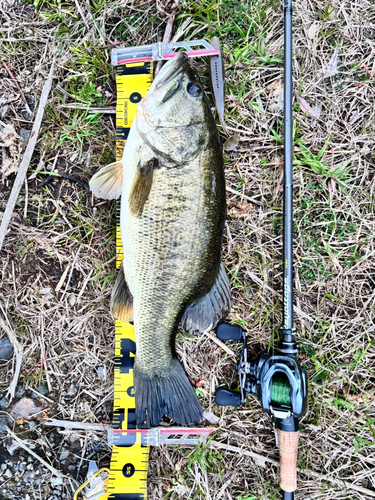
(18, 87)
(166, 39)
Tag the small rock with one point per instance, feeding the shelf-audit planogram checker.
(25, 134)
(4, 466)
(20, 391)
(22, 467)
(12, 447)
(72, 391)
(3, 424)
(3, 403)
(28, 476)
(8, 473)
(4, 111)
(56, 481)
(64, 454)
(26, 114)
(42, 389)
(101, 372)
(25, 409)
(6, 349)
(72, 299)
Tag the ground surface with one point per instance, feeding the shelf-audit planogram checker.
(57, 265)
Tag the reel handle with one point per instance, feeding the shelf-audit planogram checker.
(225, 397)
(226, 332)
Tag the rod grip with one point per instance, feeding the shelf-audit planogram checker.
(288, 449)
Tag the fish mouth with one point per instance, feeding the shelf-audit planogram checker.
(171, 70)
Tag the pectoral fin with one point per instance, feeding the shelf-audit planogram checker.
(122, 299)
(141, 187)
(208, 310)
(107, 183)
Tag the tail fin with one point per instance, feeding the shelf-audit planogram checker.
(165, 393)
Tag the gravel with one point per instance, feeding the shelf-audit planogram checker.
(6, 349)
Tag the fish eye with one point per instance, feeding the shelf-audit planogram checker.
(194, 89)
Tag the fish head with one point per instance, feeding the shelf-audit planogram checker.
(175, 113)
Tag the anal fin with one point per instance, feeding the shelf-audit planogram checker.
(122, 299)
(207, 311)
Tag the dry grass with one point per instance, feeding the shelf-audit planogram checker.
(58, 261)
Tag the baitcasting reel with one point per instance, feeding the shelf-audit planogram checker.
(275, 377)
(280, 383)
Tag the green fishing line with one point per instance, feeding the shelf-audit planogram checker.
(280, 390)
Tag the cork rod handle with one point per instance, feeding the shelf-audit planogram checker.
(288, 449)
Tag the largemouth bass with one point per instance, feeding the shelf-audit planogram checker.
(171, 179)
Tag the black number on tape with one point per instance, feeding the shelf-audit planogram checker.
(128, 470)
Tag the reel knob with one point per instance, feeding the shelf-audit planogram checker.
(225, 397)
(226, 332)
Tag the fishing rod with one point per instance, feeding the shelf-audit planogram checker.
(276, 377)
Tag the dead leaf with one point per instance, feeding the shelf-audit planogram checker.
(305, 106)
(236, 209)
(13, 145)
(317, 111)
(313, 31)
(275, 88)
(211, 417)
(179, 488)
(232, 142)
(331, 69)
(354, 116)
(360, 399)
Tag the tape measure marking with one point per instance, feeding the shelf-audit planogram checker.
(129, 460)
